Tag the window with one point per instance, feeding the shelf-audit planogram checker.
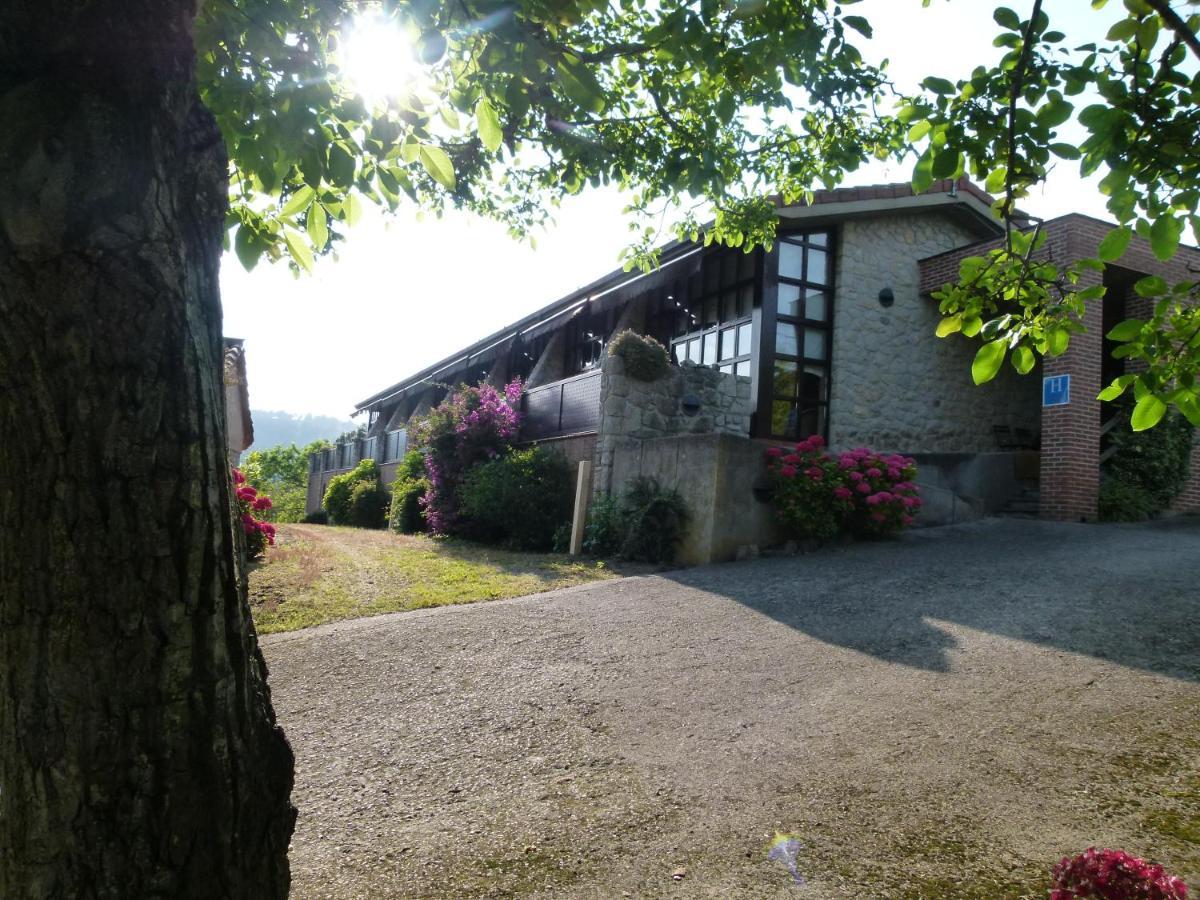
(709, 323)
(586, 336)
(800, 374)
(525, 355)
(395, 445)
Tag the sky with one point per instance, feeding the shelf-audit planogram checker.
(406, 291)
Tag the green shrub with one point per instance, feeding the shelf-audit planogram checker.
(368, 505)
(519, 500)
(317, 517)
(339, 499)
(646, 522)
(645, 358)
(1152, 465)
(1121, 501)
(562, 538)
(602, 536)
(407, 514)
(653, 521)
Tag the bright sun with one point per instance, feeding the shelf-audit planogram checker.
(377, 58)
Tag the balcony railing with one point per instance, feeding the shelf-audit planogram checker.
(571, 406)
(348, 454)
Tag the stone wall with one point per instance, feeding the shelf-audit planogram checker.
(638, 410)
(896, 386)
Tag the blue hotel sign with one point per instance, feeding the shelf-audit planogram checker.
(1056, 390)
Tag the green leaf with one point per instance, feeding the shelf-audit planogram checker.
(1151, 286)
(946, 163)
(972, 325)
(996, 180)
(988, 361)
(1006, 18)
(1117, 388)
(298, 201)
(939, 85)
(859, 24)
(918, 131)
(1114, 244)
(318, 226)
(1164, 236)
(1148, 412)
(1057, 341)
(353, 209)
(298, 248)
(922, 176)
(949, 326)
(489, 125)
(1023, 359)
(437, 164)
(247, 246)
(1126, 331)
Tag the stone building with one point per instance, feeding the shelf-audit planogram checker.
(829, 332)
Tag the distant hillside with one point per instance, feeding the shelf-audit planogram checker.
(272, 428)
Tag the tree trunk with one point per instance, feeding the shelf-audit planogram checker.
(139, 755)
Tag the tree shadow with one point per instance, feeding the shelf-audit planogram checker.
(1126, 594)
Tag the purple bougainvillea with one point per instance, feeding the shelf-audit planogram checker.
(471, 425)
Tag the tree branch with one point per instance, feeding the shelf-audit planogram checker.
(1014, 96)
(1176, 23)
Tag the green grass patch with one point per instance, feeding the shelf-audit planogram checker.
(319, 574)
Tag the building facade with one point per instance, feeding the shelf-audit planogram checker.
(830, 332)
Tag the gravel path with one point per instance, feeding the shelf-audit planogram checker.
(939, 716)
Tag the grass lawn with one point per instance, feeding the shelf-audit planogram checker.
(317, 574)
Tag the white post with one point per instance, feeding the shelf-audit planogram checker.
(582, 493)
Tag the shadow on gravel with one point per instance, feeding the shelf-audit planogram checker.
(1127, 594)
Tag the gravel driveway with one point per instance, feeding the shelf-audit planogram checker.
(939, 716)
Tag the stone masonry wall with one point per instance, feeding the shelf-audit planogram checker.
(896, 385)
(633, 409)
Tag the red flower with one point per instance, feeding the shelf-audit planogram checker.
(773, 452)
(788, 471)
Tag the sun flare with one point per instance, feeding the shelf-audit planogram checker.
(377, 59)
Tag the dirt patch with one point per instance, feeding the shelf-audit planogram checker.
(939, 717)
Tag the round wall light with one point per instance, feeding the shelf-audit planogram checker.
(886, 297)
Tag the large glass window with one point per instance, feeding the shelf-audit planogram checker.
(711, 326)
(800, 378)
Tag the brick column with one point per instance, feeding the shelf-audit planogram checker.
(1070, 467)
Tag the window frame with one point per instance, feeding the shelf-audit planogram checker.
(689, 327)
(801, 406)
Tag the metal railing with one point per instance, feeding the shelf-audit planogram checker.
(570, 406)
(384, 448)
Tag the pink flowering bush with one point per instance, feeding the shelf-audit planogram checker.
(861, 491)
(472, 425)
(259, 534)
(1113, 875)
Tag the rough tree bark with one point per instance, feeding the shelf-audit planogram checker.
(139, 755)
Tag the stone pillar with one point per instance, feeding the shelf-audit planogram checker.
(1070, 465)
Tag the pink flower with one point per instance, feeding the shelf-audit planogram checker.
(773, 452)
(856, 476)
(263, 502)
(788, 471)
(238, 477)
(842, 492)
(873, 473)
(874, 500)
(863, 488)
(814, 473)
(792, 459)
(893, 474)
(816, 441)
(884, 496)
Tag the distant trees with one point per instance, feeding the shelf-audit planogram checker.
(282, 473)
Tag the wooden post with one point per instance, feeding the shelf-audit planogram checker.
(583, 490)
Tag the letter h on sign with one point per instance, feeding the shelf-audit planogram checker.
(1056, 390)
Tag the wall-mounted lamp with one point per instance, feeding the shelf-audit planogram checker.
(690, 404)
(886, 297)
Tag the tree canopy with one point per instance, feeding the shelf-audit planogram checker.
(723, 109)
